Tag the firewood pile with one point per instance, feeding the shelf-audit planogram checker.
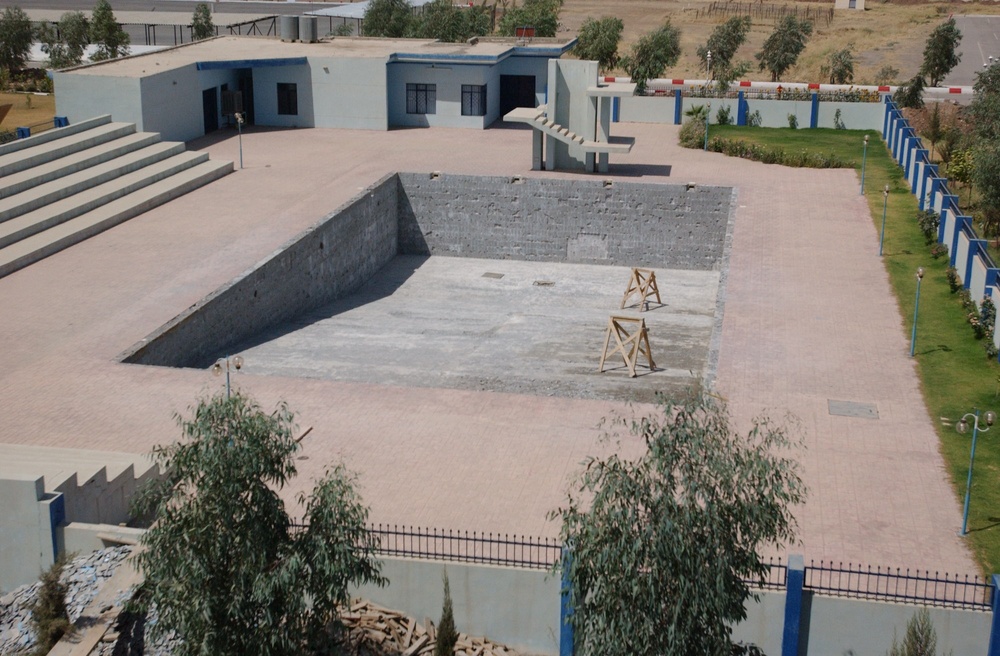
(375, 630)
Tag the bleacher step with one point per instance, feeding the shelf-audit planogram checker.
(48, 172)
(40, 245)
(45, 217)
(53, 150)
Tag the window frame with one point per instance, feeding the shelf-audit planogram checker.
(421, 95)
(475, 93)
(288, 99)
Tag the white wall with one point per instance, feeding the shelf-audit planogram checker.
(449, 79)
(774, 113)
(515, 607)
(25, 531)
(171, 104)
(349, 93)
(265, 96)
(648, 109)
(856, 116)
(79, 97)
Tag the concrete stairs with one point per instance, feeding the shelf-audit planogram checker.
(65, 185)
(536, 118)
(96, 485)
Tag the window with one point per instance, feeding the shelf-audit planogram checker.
(473, 100)
(421, 98)
(288, 99)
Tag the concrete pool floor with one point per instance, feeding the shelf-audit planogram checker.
(498, 326)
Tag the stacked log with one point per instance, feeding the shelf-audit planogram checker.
(377, 630)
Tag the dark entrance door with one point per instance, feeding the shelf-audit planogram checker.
(516, 91)
(210, 107)
(246, 88)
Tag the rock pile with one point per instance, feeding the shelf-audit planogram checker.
(83, 576)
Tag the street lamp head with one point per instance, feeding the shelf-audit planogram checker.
(238, 362)
(866, 139)
(885, 191)
(990, 417)
(217, 369)
(962, 426)
(920, 273)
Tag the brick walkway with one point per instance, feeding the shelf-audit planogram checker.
(802, 325)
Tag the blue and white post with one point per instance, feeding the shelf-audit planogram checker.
(916, 309)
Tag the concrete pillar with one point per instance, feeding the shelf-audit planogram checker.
(602, 162)
(814, 111)
(537, 140)
(678, 106)
(794, 583)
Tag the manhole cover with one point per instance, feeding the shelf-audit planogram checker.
(853, 409)
(543, 283)
(490, 274)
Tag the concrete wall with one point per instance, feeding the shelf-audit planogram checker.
(265, 96)
(856, 116)
(79, 97)
(841, 626)
(570, 107)
(349, 93)
(516, 607)
(627, 224)
(171, 104)
(448, 80)
(647, 109)
(774, 113)
(765, 622)
(26, 530)
(81, 538)
(328, 261)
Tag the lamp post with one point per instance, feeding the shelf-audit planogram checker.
(916, 309)
(708, 81)
(239, 129)
(864, 160)
(962, 427)
(224, 364)
(885, 204)
(708, 113)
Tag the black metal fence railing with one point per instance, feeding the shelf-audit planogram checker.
(35, 128)
(937, 589)
(463, 546)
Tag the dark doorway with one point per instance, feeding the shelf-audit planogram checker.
(516, 91)
(210, 107)
(246, 91)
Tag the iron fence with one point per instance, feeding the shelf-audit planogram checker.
(760, 11)
(895, 584)
(466, 547)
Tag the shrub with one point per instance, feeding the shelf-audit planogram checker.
(447, 636)
(986, 324)
(754, 120)
(953, 282)
(793, 121)
(938, 251)
(48, 615)
(723, 116)
(928, 220)
(838, 123)
(765, 155)
(920, 638)
(692, 134)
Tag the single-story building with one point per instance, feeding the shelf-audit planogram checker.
(346, 82)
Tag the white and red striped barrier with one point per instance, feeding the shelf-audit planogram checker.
(662, 83)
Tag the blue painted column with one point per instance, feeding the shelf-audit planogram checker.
(22, 133)
(60, 121)
(887, 113)
(565, 608)
(616, 109)
(742, 108)
(994, 648)
(677, 106)
(794, 582)
(793, 605)
(814, 112)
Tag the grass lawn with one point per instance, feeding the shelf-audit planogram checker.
(955, 374)
(27, 109)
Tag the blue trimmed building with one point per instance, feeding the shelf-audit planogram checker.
(359, 83)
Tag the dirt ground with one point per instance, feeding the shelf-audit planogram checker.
(886, 33)
(26, 109)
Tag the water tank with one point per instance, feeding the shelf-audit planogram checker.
(289, 28)
(308, 29)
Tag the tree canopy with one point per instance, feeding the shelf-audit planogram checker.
(663, 546)
(940, 52)
(724, 41)
(387, 18)
(105, 32)
(66, 43)
(598, 41)
(782, 48)
(223, 565)
(652, 54)
(16, 36)
(201, 22)
(842, 66)
(443, 21)
(543, 15)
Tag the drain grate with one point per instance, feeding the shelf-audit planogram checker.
(490, 274)
(853, 409)
(543, 283)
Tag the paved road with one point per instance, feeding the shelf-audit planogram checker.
(980, 41)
